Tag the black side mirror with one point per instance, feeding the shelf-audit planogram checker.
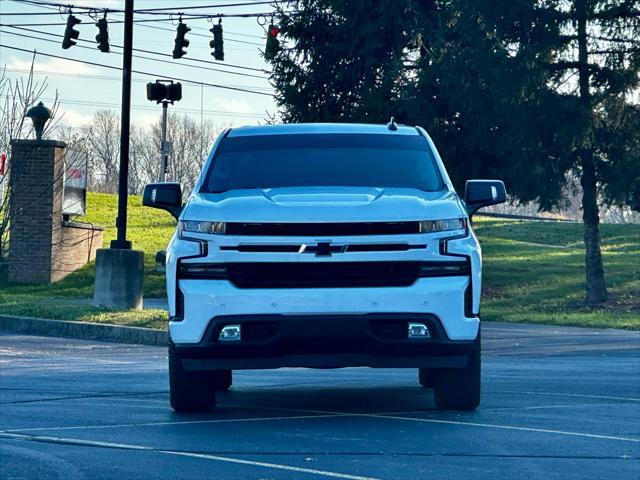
(166, 196)
(482, 193)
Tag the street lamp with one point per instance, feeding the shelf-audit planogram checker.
(39, 115)
(165, 92)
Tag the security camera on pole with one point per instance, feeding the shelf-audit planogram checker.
(165, 92)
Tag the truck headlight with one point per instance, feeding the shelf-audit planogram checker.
(432, 226)
(197, 226)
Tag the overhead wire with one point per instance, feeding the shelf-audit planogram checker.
(158, 75)
(92, 103)
(97, 76)
(227, 32)
(179, 10)
(51, 73)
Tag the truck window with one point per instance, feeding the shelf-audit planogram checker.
(311, 160)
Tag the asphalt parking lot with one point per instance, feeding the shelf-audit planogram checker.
(557, 403)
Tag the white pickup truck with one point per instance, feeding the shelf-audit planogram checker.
(324, 245)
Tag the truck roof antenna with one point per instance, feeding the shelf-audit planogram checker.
(392, 125)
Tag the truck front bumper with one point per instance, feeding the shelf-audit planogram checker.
(325, 341)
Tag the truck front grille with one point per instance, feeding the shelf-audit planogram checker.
(322, 229)
(321, 274)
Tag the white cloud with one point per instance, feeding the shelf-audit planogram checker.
(73, 118)
(144, 120)
(52, 65)
(234, 106)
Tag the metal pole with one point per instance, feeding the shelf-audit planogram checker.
(164, 150)
(125, 124)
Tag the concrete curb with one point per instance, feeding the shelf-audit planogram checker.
(84, 331)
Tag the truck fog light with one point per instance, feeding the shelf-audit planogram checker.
(230, 333)
(418, 330)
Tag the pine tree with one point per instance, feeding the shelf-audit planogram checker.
(597, 41)
(526, 91)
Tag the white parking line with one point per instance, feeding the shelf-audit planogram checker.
(506, 427)
(395, 416)
(190, 422)
(579, 395)
(277, 466)
(124, 446)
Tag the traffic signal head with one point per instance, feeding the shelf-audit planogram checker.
(174, 92)
(273, 44)
(181, 43)
(217, 43)
(103, 35)
(164, 92)
(156, 92)
(70, 34)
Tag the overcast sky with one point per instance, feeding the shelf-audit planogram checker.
(83, 88)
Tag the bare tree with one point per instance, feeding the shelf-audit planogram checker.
(19, 96)
(103, 143)
(190, 146)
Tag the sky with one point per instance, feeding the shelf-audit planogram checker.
(83, 89)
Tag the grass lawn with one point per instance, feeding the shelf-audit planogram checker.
(533, 272)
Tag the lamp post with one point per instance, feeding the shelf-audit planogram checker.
(39, 115)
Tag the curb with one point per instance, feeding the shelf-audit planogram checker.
(84, 331)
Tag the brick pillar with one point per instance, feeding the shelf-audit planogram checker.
(38, 250)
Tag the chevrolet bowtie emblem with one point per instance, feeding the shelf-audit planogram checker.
(322, 249)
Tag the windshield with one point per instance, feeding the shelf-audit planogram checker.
(310, 160)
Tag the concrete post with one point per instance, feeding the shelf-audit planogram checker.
(119, 278)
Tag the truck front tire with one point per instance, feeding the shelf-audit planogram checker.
(427, 376)
(222, 380)
(459, 388)
(189, 391)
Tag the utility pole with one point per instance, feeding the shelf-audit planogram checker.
(164, 146)
(120, 269)
(125, 125)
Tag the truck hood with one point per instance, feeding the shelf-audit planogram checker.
(323, 204)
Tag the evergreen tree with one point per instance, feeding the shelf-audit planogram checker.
(594, 45)
(526, 91)
(343, 60)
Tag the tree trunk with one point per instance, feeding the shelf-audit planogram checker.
(596, 289)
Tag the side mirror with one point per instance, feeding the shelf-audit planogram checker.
(482, 193)
(166, 196)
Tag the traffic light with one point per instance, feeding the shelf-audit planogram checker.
(273, 44)
(103, 35)
(217, 43)
(164, 91)
(181, 43)
(156, 92)
(70, 34)
(174, 92)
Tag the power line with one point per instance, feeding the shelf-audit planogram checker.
(200, 7)
(153, 20)
(135, 49)
(29, 13)
(202, 35)
(227, 32)
(153, 11)
(157, 75)
(100, 77)
(92, 103)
